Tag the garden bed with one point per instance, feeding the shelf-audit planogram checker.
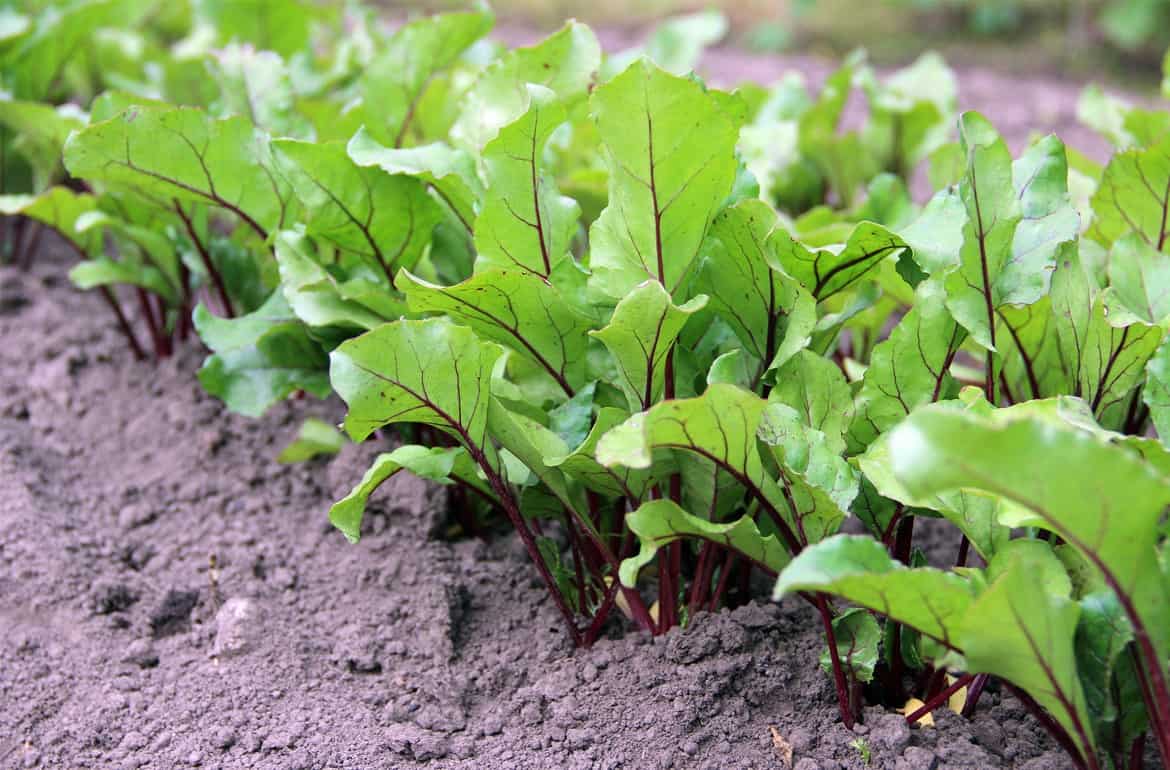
(122, 481)
(172, 596)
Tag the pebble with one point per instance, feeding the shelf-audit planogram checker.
(238, 626)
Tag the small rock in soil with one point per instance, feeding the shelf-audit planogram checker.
(916, 758)
(807, 764)
(223, 738)
(173, 614)
(141, 653)
(136, 514)
(890, 733)
(238, 626)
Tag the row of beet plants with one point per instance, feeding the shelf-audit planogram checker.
(675, 336)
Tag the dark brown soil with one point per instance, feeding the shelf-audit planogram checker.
(122, 646)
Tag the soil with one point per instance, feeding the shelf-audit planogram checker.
(170, 596)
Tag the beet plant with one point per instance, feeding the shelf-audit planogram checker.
(676, 337)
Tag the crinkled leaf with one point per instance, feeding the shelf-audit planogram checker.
(670, 148)
(257, 85)
(1102, 636)
(805, 458)
(660, 522)
(1156, 393)
(582, 464)
(317, 296)
(565, 63)
(824, 272)
(449, 171)
(1134, 196)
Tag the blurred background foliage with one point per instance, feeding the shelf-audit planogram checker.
(1124, 39)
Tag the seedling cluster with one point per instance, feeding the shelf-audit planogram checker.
(673, 335)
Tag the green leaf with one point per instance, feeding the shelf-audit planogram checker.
(432, 463)
(670, 149)
(858, 636)
(41, 131)
(1156, 393)
(825, 272)
(640, 336)
(858, 569)
(1102, 636)
(277, 25)
(1021, 628)
(430, 372)
(181, 153)
(660, 522)
(908, 369)
(61, 209)
(316, 296)
(676, 44)
(103, 271)
(517, 309)
(936, 236)
(818, 483)
(771, 313)
(1112, 362)
(977, 287)
(384, 218)
(1140, 277)
(1107, 505)
(395, 81)
(450, 172)
(565, 63)
(1134, 196)
(581, 464)
(718, 426)
(260, 358)
(257, 85)
(525, 222)
(315, 438)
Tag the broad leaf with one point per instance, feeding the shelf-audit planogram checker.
(430, 372)
(181, 153)
(384, 218)
(640, 336)
(908, 369)
(858, 636)
(1140, 277)
(432, 463)
(1134, 196)
(771, 313)
(565, 63)
(394, 83)
(1107, 505)
(260, 358)
(859, 569)
(661, 522)
(670, 148)
(515, 308)
(525, 222)
(450, 172)
(824, 272)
